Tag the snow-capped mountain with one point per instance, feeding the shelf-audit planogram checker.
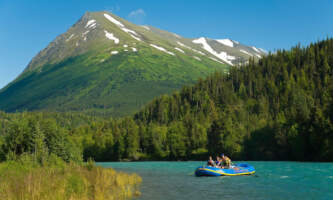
(104, 62)
(100, 26)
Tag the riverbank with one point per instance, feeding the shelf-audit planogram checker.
(25, 179)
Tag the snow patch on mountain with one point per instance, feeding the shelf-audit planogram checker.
(125, 45)
(93, 26)
(85, 33)
(70, 37)
(90, 22)
(134, 49)
(222, 55)
(138, 39)
(113, 20)
(197, 58)
(226, 42)
(229, 57)
(183, 45)
(196, 51)
(129, 31)
(243, 51)
(162, 49)
(216, 60)
(132, 33)
(178, 49)
(146, 27)
(114, 52)
(257, 50)
(111, 37)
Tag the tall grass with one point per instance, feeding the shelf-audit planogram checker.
(24, 179)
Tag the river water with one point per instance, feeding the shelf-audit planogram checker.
(272, 180)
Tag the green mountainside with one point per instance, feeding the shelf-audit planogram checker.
(107, 65)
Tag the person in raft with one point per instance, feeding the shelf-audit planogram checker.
(210, 162)
(218, 162)
(226, 161)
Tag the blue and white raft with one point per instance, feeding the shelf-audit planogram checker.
(234, 170)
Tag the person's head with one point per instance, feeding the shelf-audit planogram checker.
(210, 158)
(222, 155)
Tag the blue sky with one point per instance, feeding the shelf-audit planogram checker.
(27, 26)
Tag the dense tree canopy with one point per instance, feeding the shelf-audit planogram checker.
(279, 108)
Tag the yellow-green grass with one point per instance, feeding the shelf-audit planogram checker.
(28, 181)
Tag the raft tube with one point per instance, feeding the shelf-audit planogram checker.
(234, 170)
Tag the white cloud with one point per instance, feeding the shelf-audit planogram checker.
(138, 12)
(137, 16)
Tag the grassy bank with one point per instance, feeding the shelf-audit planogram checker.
(25, 179)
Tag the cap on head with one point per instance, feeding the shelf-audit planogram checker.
(222, 154)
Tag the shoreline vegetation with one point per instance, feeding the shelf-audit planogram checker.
(26, 179)
(40, 160)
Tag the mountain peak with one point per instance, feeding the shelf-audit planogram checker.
(102, 27)
(105, 62)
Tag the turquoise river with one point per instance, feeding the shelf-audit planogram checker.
(272, 180)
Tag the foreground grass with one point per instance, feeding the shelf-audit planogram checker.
(56, 180)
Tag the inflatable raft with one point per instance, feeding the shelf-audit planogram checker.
(234, 170)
